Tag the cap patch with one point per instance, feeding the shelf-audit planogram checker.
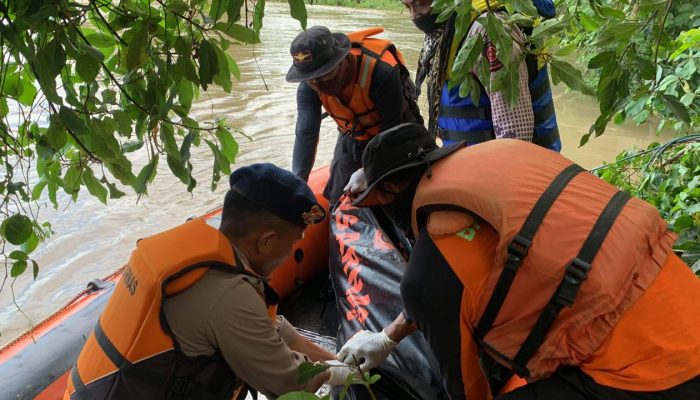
(302, 56)
(313, 216)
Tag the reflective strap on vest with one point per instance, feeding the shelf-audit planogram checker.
(576, 274)
(75, 378)
(518, 248)
(464, 112)
(471, 137)
(364, 71)
(108, 347)
(548, 139)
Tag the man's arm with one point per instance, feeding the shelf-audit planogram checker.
(307, 130)
(299, 343)
(387, 94)
(251, 345)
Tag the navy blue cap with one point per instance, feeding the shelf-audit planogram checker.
(279, 192)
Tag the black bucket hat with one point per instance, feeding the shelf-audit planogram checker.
(315, 52)
(397, 149)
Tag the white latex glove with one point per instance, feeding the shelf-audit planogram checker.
(369, 348)
(357, 182)
(339, 373)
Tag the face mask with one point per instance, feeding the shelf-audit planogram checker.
(426, 22)
(334, 86)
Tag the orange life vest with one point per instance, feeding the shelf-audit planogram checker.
(554, 292)
(359, 117)
(132, 353)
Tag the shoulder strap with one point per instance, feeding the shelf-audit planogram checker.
(518, 248)
(576, 274)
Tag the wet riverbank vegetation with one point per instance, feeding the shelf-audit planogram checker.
(87, 85)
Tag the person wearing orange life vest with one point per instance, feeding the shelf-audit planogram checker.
(193, 316)
(532, 266)
(361, 82)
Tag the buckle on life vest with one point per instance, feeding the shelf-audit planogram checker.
(576, 273)
(518, 248)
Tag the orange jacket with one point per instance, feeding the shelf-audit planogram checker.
(654, 346)
(359, 117)
(501, 181)
(132, 353)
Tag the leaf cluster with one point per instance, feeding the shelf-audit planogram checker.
(668, 177)
(95, 94)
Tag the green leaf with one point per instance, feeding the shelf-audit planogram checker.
(229, 146)
(549, 28)
(602, 59)
(524, 7)
(35, 269)
(18, 255)
(584, 139)
(683, 222)
(31, 244)
(185, 93)
(467, 56)
(233, 66)
(374, 378)
(17, 229)
(109, 96)
(238, 32)
(28, 92)
(71, 180)
(308, 371)
(18, 268)
(677, 108)
(148, 172)
(646, 68)
(94, 186)
(611, 12)
(588, 22)
(4, 108)
(101, 40)
(72, 121)
(114, 192)
(618, 31)
(565, 50)
(512, 91)
(87, 67)
(297, 9)
(258, 15)
(646, 7)
(208, 64)
(607, 93)
(500, 38)
(218, 7)
(234, 10)
(223, 76)
(136, 52)
(178, 169)
(221, 161)
(571, 76)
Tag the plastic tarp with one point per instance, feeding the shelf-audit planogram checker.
(366, 269)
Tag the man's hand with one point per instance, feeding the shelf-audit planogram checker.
(340, 372)
(369, 348)
(357, 182)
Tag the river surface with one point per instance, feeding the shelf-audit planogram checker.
(91, 240)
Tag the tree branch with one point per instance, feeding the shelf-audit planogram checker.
(661, 31)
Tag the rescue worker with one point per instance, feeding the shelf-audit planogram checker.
(362, 84)
(455, 118)
(532, 266)
(193, 315)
